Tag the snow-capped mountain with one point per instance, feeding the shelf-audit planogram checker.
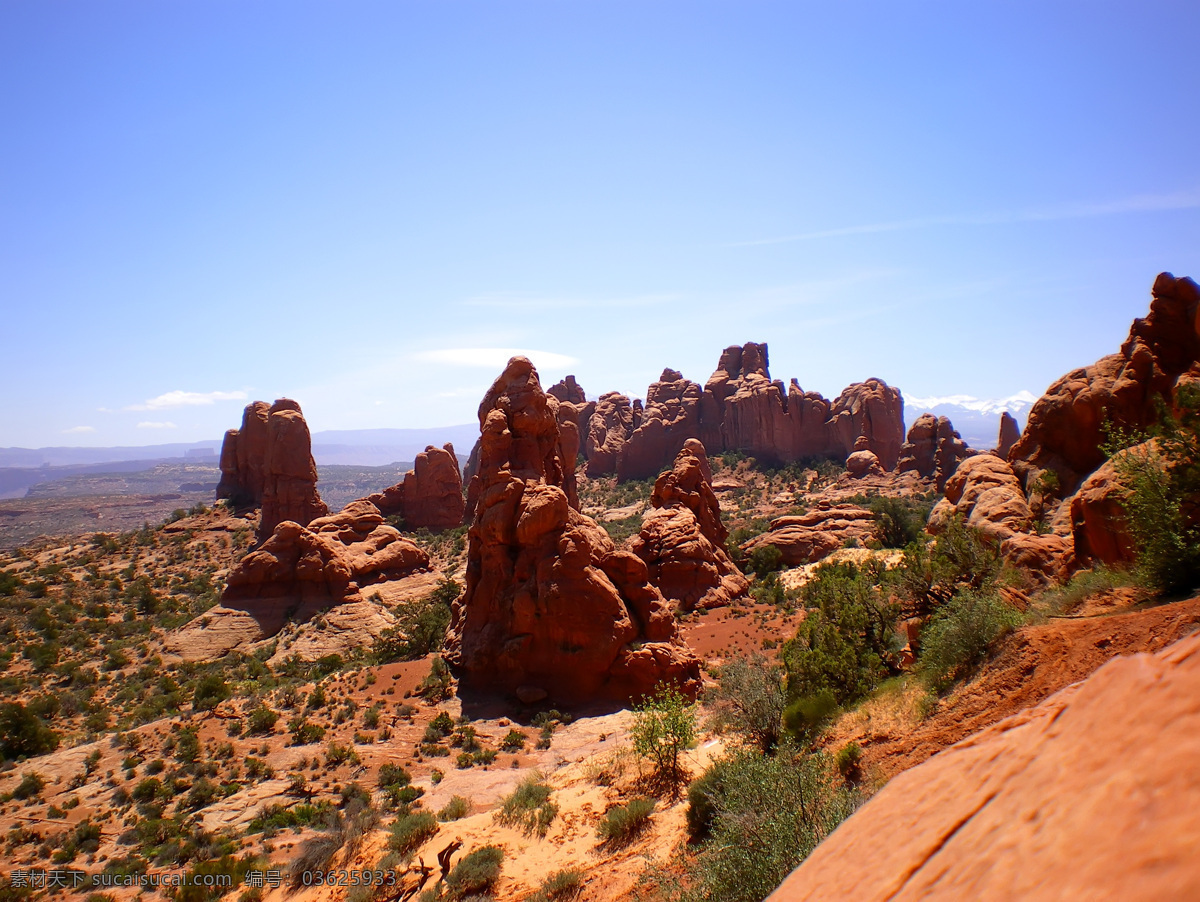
(977, 420)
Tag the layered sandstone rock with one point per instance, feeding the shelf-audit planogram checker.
(608, 428)
(299, 571)
(933, 449)
(682, 540)
(551, 606)
(809, 537)
(269, 462)
(1089, 795)
(670, 416)
(741, 408)
(1010, 434)
(1065, 427)
(431, 494)
(987, 495)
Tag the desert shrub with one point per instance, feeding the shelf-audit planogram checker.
(337, 754)
(961, 633)
(764, 815)
(208, 881)
(1161, 479)
(529, 807)
(899, 521)
(476, 873)
(420, 627)
(847, 760)
(458, 807)
(622, 823)
(749, 700)
(22, 733)
(513, 741)
(959, 558)
(765, 559)
(560, 885)
(439, 684)
(664, 726)
(262, 720)
(30, 787)
(304, 732)
(1082, 585)
(411, 830)
(316, 853)
(847, 641)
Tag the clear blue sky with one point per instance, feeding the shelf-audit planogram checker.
(206, 201)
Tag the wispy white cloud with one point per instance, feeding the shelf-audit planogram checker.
(78, 429)
(516, 300)
(149, 425)
(187, 399)
(1138, 203)
(496, 358)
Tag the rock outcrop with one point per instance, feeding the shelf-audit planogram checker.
(551, 606)
(1089, 795)
(809, 537)
(987, 495)
(1065, 427)
(269, 463)
(741, 408)
(933, 449)
(609, 427)
(431, 494)
(682, 539)
(1010, 434)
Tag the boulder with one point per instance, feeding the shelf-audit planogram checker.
(1089, 795)
(682, 540)
(933, 449)
(269, 463)
(809, 537)
(550, 603)
(1098, 521)
(863, 463)
(987, 495)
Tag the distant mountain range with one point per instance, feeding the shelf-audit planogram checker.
(977, 420)
(22, 468)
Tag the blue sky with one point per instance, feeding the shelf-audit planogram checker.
(365, 205)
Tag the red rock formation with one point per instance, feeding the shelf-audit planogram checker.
(1089, 795)
(430, 495)
(1010, 434)
(861, 464)
(809, 537)
(934, 450)
(872, 409)
(568, 390)
(269, 462)
(670, 416)
(682, 539)
(1064, 431)
(550, 604)
(987, 495)
(1098, 522)
(325, 563)
(609, 428)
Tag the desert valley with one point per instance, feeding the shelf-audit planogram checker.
(732, 640)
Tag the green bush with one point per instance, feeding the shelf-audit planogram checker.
(411, 830)
(529, 807)
(476, 873)
(961, 633)
(749, 700)
(457, 808)
(420, 627)
(899, 521)
(22, 733)
(664, 726)
(30, 787)
(765, 559)
(847, 642)
(210, 691)
(560, 885)
(262, 721)
(764, 815)
(304, 732)
(622, 823)
(959, 558)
